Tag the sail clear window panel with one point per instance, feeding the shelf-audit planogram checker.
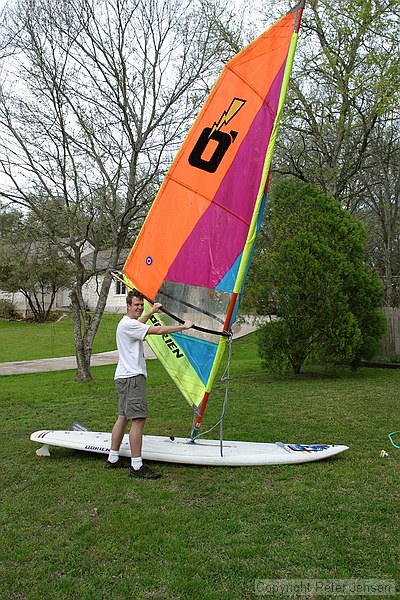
(205, 307)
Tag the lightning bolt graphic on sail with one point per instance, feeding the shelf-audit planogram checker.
(228, 115)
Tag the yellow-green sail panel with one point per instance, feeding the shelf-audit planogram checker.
(170, 350)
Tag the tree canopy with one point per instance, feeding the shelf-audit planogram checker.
(30, 264)
(96, 96)
(315, 272)
(341, 130)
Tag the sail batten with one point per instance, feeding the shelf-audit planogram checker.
(195, 247)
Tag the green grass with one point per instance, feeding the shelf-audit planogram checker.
(72, 529)
(28, 341)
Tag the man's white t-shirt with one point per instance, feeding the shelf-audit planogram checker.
(130, 336)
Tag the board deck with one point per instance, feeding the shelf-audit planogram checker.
(181, 450)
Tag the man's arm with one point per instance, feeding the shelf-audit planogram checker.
(146, 316)
(162, 329)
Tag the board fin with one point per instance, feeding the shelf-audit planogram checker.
(43, 451)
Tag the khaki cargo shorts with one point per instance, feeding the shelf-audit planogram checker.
(132, 403)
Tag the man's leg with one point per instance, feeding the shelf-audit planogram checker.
(138, 469)
(118, 432)
(136, 437)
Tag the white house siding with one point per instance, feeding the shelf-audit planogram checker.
(116, 303)
(19, 301)
(63, 298)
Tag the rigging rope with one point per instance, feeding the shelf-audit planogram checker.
(225, 377)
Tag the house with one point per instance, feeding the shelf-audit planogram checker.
(116, 302)
(116, 299)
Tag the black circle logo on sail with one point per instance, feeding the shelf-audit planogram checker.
(215, 141)
(224, 140)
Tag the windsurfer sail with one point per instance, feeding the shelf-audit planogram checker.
(195, 247)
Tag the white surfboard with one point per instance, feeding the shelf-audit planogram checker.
(182, 450)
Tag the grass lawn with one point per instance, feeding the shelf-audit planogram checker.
(28, 341)
(72, 529)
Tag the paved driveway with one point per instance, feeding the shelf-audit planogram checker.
(104, 358)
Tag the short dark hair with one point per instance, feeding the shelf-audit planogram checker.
(134, 293)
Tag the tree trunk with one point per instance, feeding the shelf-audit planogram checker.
(83, 351)
(86, 326)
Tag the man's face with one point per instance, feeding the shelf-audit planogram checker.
(135, 309)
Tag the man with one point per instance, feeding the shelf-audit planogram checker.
(130, 380)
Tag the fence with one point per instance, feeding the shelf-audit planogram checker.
(391, 340)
